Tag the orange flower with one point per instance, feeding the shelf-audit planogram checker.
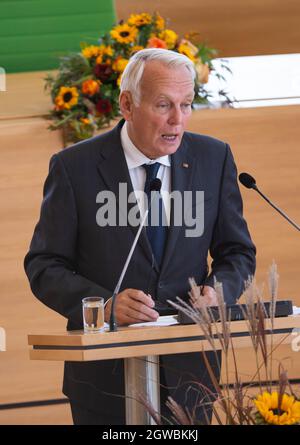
(99, 59)
(90, 87)
(85, 121)
(155, 42)
(119, 64)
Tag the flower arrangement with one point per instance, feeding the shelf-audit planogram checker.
(86, 89)
(234, 404)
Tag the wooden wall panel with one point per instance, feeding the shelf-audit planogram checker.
(236, 28)
(25, 151)
(42, 415)
(264, 142)
(25, 96)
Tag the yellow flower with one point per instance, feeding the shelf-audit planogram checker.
(135, 49)
(124, 33)
(119, 80)
(188, 49)
(119, 64)
(202, 70)
(107, 50)
(170, 37)
(160, 22)
(90, 87)
(97, 51)
(139, 19)
(67, 97)
(91, 51)
(287, 414)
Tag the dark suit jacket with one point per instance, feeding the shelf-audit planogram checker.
(71, 257)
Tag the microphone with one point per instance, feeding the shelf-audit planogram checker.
(249, 182)
(155, 186)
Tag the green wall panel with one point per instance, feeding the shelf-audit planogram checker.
(34, 33)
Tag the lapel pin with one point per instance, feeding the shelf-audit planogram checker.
(185, 165)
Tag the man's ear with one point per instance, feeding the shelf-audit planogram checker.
(126, 105)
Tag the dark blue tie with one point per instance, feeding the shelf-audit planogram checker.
(157, 231)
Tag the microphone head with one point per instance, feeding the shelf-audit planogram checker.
(247, 180)
(155, 185)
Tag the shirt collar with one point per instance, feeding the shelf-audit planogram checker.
(134, 157)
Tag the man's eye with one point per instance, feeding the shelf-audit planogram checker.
(187, 105)
(163, 105)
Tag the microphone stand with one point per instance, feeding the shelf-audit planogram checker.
(276, 208)
(112, 321)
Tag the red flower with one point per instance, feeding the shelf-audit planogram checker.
(103, 106)
(103, 71)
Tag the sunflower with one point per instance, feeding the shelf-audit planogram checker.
(67, 97)
(269, 411)
(139, 20)
(170, 37)
(107, 50)
(91, 51)
(124, 33)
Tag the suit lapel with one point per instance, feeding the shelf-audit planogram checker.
(182, 168)
(113, 170)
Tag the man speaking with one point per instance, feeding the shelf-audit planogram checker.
(72, 255)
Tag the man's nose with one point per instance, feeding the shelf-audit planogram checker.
(175, 117)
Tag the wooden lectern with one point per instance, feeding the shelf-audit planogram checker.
(141, 347)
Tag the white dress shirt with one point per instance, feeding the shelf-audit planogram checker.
(135, 160)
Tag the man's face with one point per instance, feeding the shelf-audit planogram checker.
(157, 124)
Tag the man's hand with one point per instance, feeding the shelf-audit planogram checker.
(132, 306)
(205, 296)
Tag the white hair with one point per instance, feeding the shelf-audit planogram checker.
(132, 75)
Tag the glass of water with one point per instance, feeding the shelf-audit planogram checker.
(93, 314)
